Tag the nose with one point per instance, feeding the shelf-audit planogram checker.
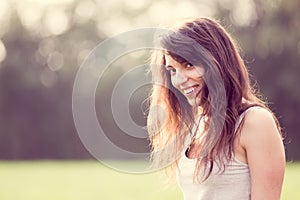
(180, 78)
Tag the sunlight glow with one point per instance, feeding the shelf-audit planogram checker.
(166, 13)
(160, 13)
(5, 12)
(185, 9)
(114, 25)
(50, 2)
(136, 5)
(3, 9)
(226, 4)
(56, 21)
(243, 13)
(2, 51)
(30, 15)
(85, 11)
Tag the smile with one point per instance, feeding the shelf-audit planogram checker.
(191, 90)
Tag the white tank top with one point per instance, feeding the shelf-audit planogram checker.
(233, 184)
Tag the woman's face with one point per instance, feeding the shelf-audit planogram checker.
(186, 78)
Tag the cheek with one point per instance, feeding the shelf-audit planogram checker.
(198, 73)
(198, 76)
(173, 82)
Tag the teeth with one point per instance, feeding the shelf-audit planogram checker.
(189, 90)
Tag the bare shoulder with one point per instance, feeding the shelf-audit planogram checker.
(265, 153)
(259, 116)
(260, 138)
(259, 124)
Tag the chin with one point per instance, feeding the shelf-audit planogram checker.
(194, 102)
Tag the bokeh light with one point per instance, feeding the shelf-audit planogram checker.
(2, 52)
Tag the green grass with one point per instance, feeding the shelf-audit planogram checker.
(90, 180)
(291, 185)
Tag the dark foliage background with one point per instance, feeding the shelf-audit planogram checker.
(42, 46)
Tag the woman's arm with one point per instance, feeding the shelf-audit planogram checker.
(265, 154)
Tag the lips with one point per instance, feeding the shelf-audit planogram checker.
(191, 91)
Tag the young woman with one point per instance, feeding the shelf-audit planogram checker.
(206, 122)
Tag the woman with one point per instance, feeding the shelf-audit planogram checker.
(207, 123)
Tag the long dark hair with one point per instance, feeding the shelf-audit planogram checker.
(171, 123)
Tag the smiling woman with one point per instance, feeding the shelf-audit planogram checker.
(218, 138)
(180, 73)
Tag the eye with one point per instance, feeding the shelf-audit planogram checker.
(189, 65)
(171, 69)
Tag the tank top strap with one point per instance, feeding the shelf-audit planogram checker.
(241, 117)
(189, 137)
